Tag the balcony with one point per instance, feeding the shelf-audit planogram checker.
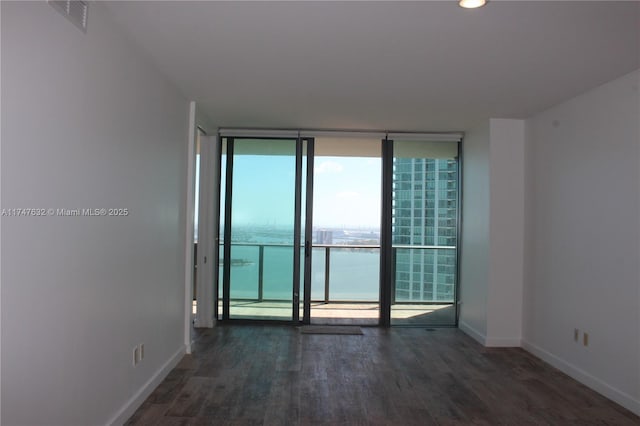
(344, 285)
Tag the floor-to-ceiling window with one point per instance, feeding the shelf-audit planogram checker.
(345, 284)
(425, 232)
(301, 231)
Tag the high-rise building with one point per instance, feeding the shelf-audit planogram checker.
(425, 196)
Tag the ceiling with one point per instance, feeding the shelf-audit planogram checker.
(382, 65)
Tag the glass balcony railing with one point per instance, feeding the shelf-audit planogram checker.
(345, 273)
(342, 273)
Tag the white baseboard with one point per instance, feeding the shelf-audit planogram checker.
(138, 398)
(502, 342)
(585, 378)
(490, 342)
(472, 332)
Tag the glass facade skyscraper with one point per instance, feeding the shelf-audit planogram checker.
(425, 211)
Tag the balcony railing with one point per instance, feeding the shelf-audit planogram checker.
(327, 264)
(357, 275)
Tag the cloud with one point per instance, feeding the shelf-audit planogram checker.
(329, 167)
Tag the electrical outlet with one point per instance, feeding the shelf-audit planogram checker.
(576, 334)
(136, 356)
(585, 339)
(141, 351)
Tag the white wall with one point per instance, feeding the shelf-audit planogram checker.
(583, 238)
(551, 236)
(504, 304)
(87, 123)
(491, 270)
(474, 261)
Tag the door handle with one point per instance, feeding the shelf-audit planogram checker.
(306, 248)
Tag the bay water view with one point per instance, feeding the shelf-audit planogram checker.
(354, 272)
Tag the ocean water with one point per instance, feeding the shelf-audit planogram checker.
(354, 273)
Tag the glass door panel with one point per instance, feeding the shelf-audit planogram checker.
(345, 270)
(258, 262)
(424, 232)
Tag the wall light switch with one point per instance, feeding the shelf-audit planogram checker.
(585, 339)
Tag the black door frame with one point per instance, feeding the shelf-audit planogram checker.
(301, 143)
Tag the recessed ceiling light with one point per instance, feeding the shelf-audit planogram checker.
(472, 4)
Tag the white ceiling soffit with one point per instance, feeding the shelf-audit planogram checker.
(382, 65)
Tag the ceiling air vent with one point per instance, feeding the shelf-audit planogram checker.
(74, 10)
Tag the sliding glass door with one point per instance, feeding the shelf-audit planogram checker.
(276, 265)
(424, 232)
(261, 223)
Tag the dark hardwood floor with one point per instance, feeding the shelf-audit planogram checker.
(274, 375)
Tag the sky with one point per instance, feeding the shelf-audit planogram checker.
(263, 190)
(346, 191)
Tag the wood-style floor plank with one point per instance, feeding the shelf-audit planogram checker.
(274, 375)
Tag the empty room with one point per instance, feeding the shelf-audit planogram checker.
(320, 212)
